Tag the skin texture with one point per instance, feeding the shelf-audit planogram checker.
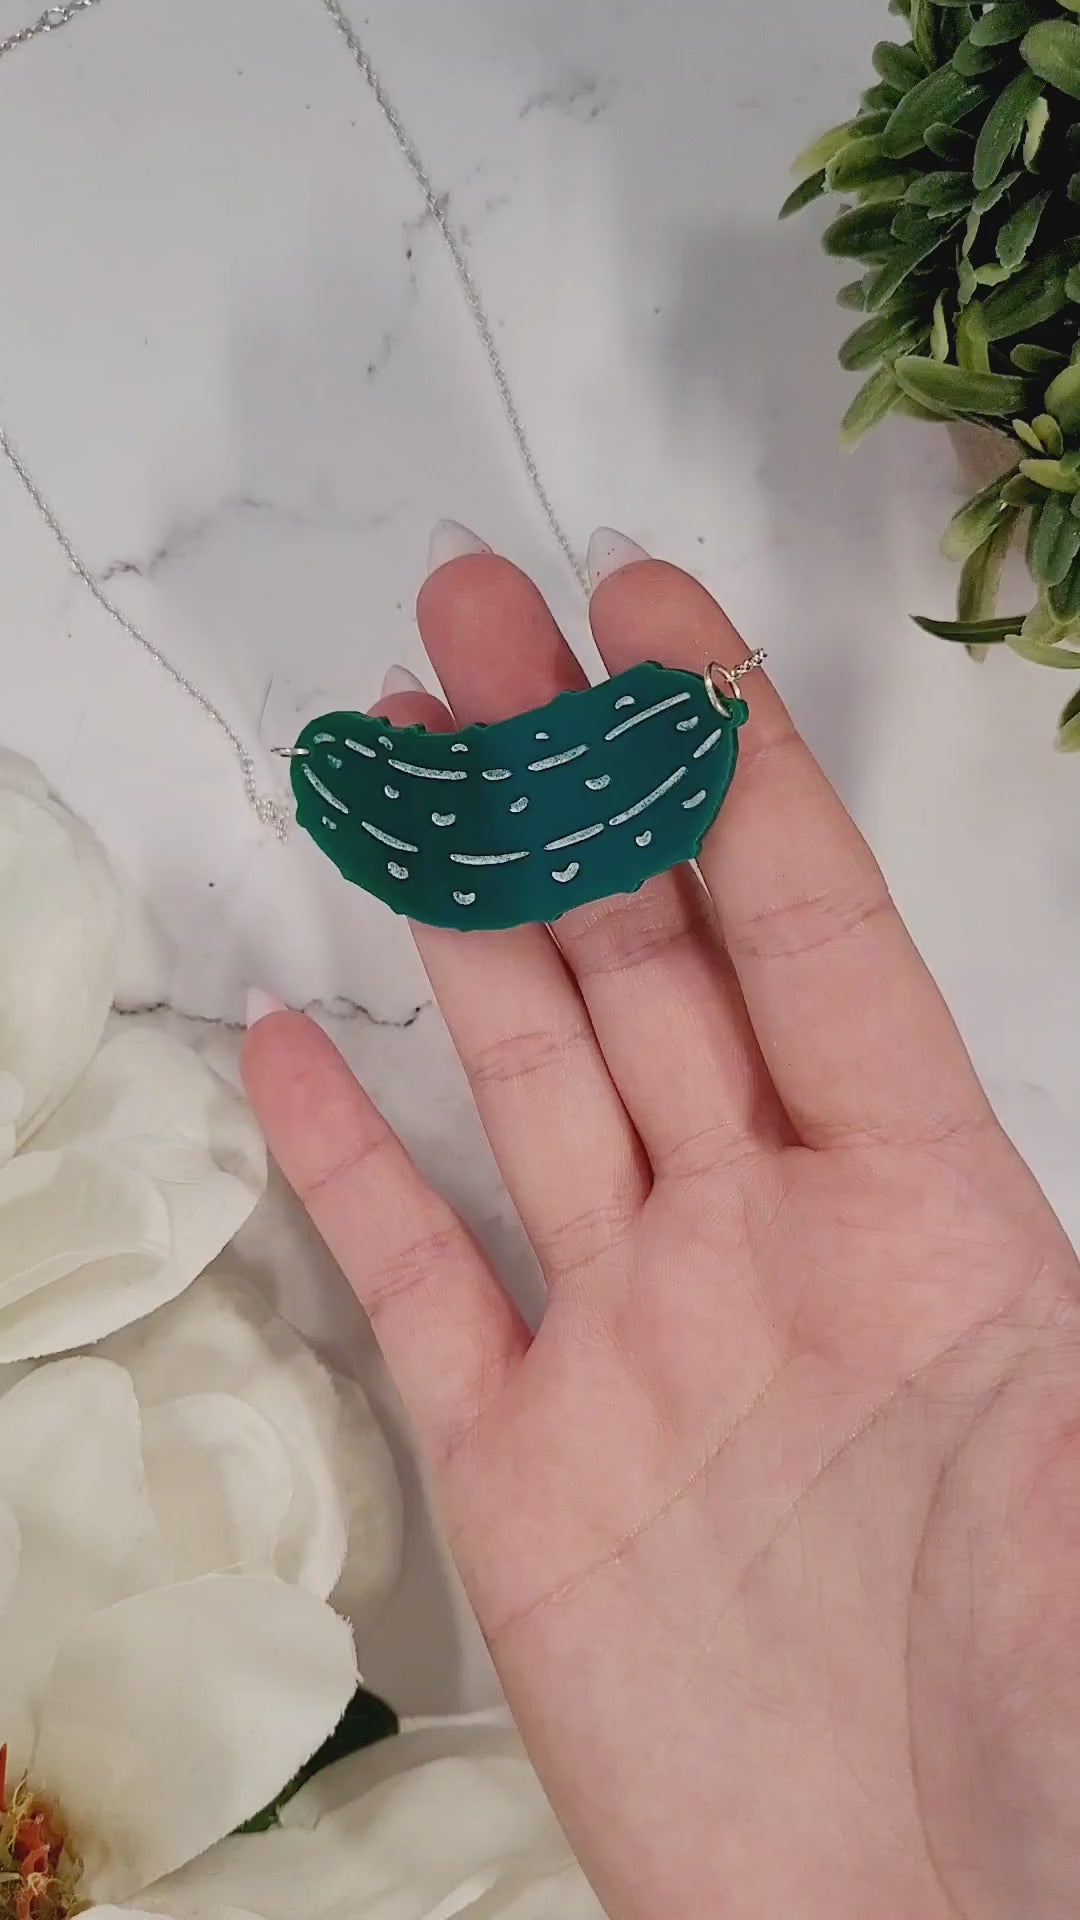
(773, 1526)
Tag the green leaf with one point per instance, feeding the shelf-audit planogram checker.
(1051, 49)
(1003, 127)
(1029, 437)
(952, 144)
(981, 578)
(970, 632)
(858, 163)
(815, 158)
(1049, 435)
(890, 276)
(1038, 121)
(1021, 493)
(1038, 651)
(977, 520)
(984, 202)
(959, 391)
(880, 96)
(1068, 733)
(1064, 599)
(881, 338)
(921, 22)
(1019, 231)
(1044, 627)
(1030, 358)
(940, 192)
(913, 225)
(943, 96)
(867, 123)
(876, 398)
(939, 331)
(1051, 475)
(859, 234)
(889, 186)
(972, 60)
(1009, 20)
(365, 1722)
(807, 191)
(972, 349)
(853, 296)
(900, 67)
(989, 196)
(1054, 542)
(921, 18)
(1063, 399)
(1072, 285)
(1029, 300)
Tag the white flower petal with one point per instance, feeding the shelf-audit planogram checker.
(10, 1547)
(178, 1714)
(220, 1483)
(373, 1506)
(71, 1475)
(58, 940)
(155, 1121)
(466, 1833)
(222, 1337)
(213, 1912)
(76, 1233)
(478, 1736)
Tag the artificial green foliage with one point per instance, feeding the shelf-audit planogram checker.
(365, 1721)
(961, 177)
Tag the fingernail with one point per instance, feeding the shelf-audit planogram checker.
(451, 541)
(259, 1004)
(610, 551)
(400, 680)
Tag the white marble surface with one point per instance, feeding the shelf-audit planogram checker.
(234, 355)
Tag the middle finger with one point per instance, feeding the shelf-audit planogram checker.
(662, 1001)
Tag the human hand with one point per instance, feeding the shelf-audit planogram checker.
(773, 1528)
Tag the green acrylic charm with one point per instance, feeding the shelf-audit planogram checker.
(504, 825)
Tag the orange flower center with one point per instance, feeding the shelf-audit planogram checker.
(39, 1874)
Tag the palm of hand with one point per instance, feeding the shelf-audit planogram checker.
(771, 1527)
(806, 1517)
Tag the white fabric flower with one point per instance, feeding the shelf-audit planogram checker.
(144, 1717)
(257, 1458)
(125, 1165)
(447, 1820)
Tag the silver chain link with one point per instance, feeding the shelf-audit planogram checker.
(437, 207)
(46, 22)
(267, 809)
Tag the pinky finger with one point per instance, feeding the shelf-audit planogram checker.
(450, 1335)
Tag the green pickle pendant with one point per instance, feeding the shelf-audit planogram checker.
(501, 826)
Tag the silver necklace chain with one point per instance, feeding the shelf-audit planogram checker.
(46, 22)
(436, 206)
(265, 808)
(268, 810)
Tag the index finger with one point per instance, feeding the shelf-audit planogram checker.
(853, 1029)
(451, 1337)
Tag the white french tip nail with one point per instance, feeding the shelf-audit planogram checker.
(609, 552)
(451, 541)
(259, 1004)
(400, 680)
